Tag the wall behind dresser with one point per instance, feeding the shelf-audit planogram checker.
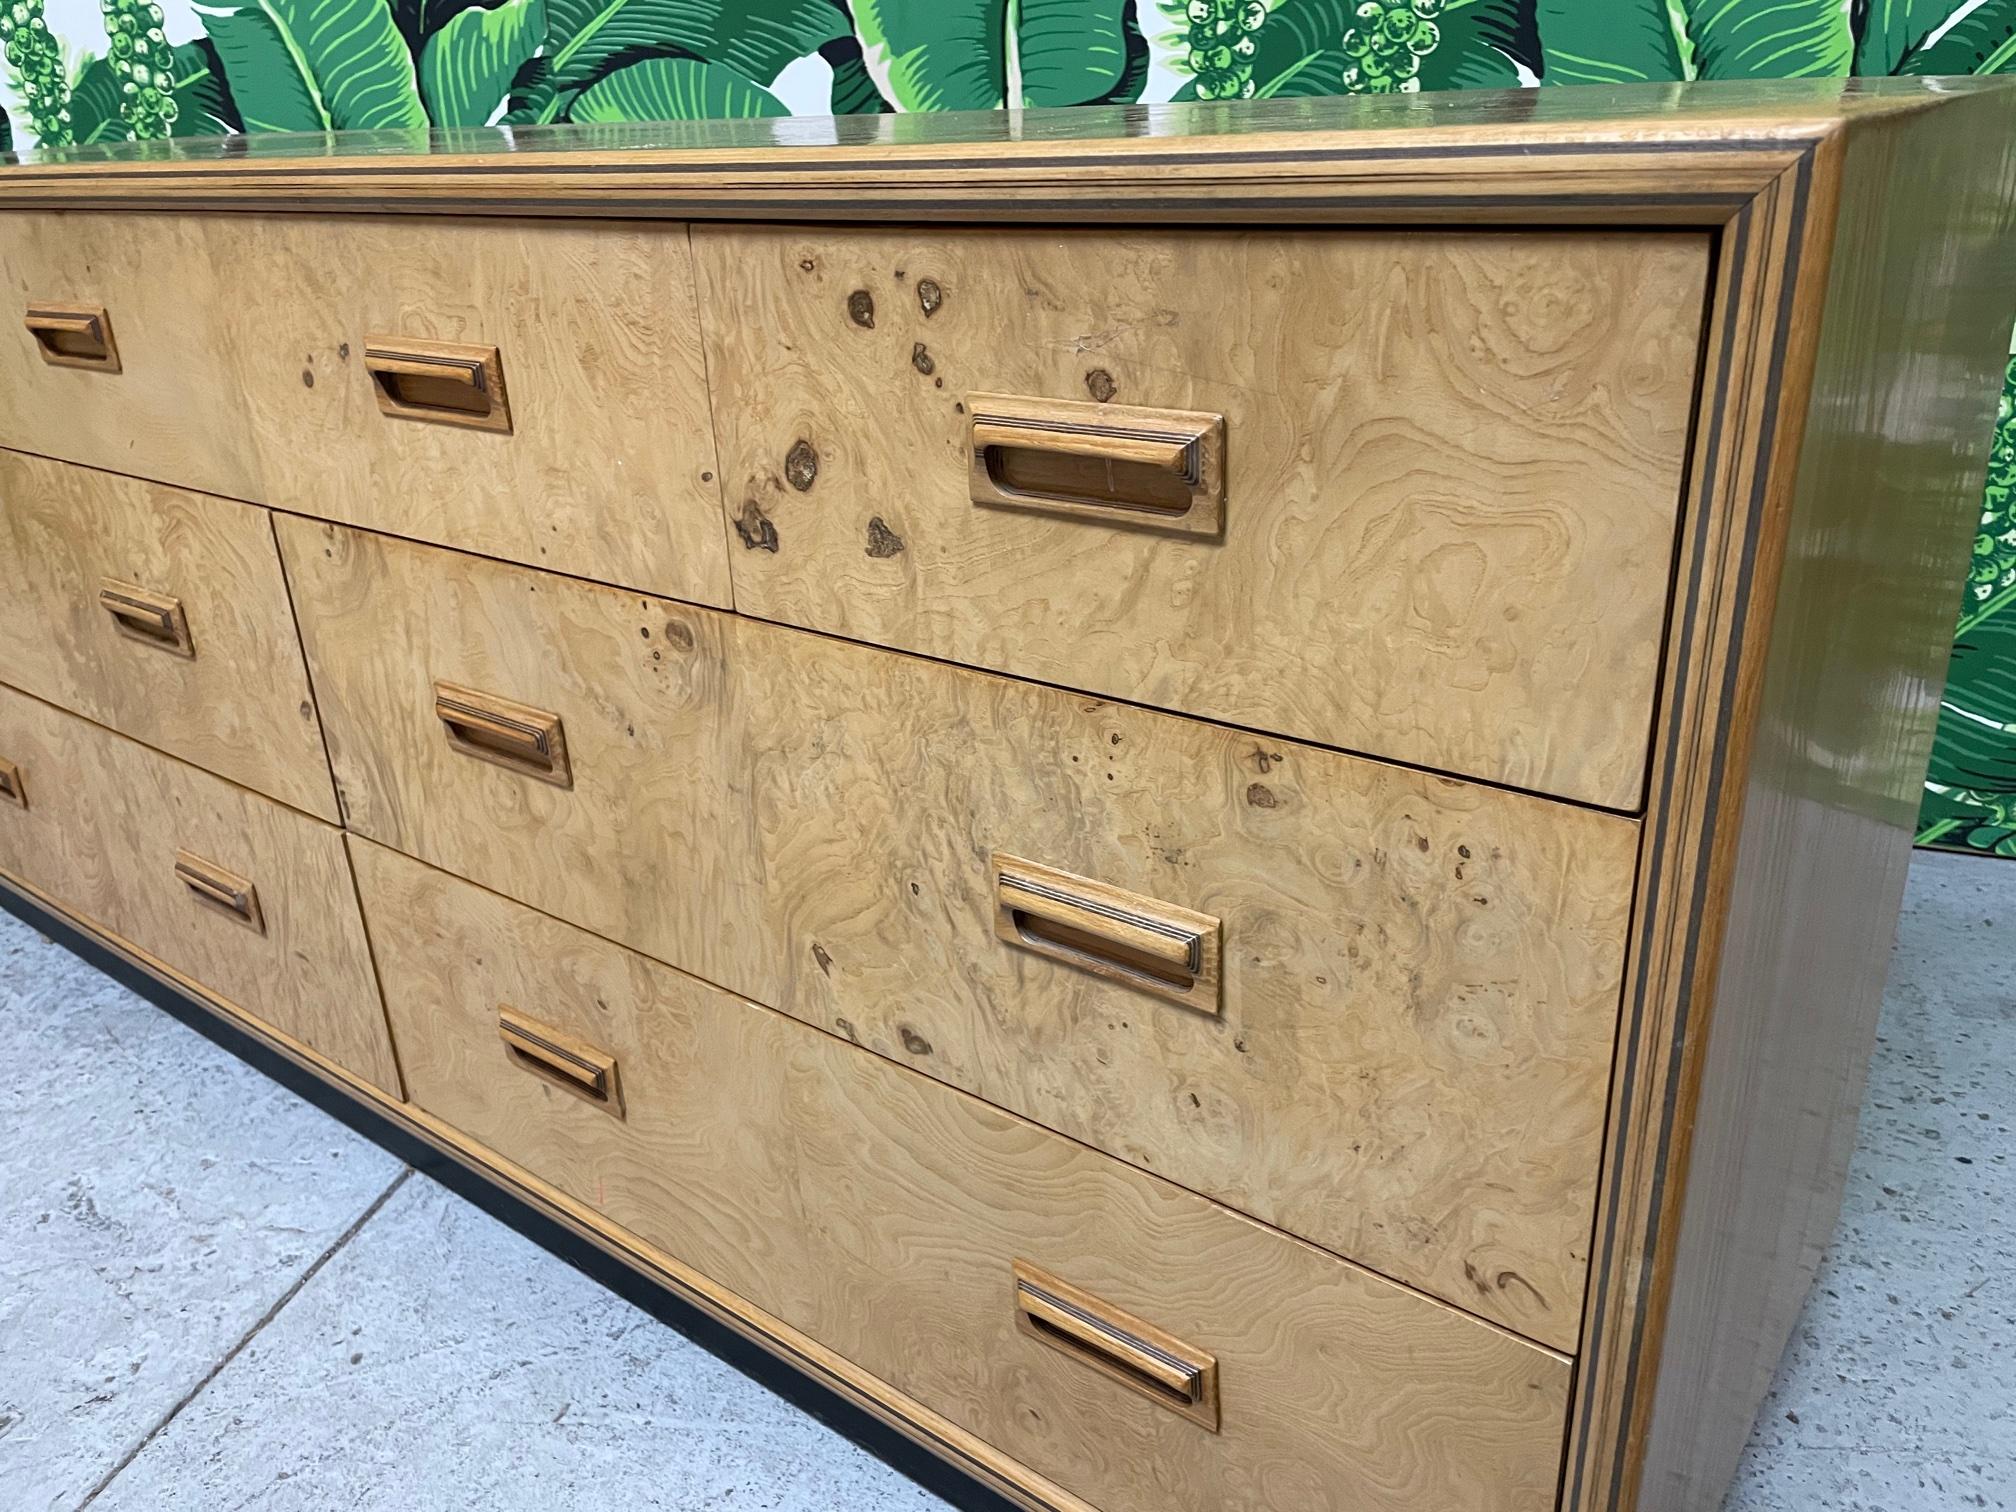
(103, 70)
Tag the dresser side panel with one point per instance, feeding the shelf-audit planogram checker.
(1889, 478)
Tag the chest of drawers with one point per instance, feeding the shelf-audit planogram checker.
(1207, 804)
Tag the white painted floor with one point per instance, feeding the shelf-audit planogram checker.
(213, 1296)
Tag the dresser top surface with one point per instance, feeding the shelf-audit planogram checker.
(1590, 113)
(1708, 143)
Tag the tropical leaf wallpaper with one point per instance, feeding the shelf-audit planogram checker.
(79, 71)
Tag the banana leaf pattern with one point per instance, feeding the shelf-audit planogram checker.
(1970, 793)
(107, 70)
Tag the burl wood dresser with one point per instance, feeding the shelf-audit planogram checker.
(1206, 801)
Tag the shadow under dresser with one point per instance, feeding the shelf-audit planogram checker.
(1205, 804)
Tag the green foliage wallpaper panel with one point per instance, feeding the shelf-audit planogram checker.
(79, 71)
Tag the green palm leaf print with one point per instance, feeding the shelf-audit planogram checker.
(1982, 41)
(309, 65)
(587, 38)
(674, 89)
(1299, 50)
(1770, 39)
(1486, 44)
(1971, 788)
(1071, 51)
(1620, 42)
(947, 56)
(94, 104)
(273, 93)
(956, 54)
(203, 99)
(467, 66)
(1892, 28)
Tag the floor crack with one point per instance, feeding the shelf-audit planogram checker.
(250, 1334)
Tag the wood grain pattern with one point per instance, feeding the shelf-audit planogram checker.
(1453, 467)
(1677, 914)
(244, 341)
(1420, 975)
(241, 706)
(647, 844)
(888, 1210)
(102, 833)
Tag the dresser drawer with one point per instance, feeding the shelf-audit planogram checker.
(885, 1216)
(658, 1103)
(250, 900)
(259, 357)
(1428, 512)
(628, 820)
(163, 614)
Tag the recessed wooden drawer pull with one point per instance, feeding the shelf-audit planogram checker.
(512, 735)
(77, 336)
(13, 786)
(154, 619)
(1111, 462)
(219, 889)
(441, 381)
(1160, 948)
(553, 1055)
(1137, 1354)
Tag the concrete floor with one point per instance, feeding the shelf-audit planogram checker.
(213, 1296)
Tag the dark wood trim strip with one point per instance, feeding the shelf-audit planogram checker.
(1659, 814)
(881, 161)
(1711, 834)
(1099, 207)
(1113, 198)
(1637, 1296)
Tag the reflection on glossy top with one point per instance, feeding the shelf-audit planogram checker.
(1738, 107)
